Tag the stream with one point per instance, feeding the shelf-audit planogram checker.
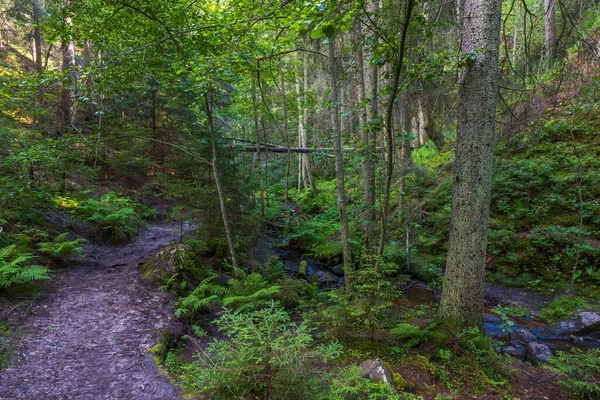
(418, 293)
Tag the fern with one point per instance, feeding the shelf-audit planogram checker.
(209, 291)
(14, 268)
(60, 247)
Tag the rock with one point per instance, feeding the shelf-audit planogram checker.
(580, 323)
(170, 260)
(323, 277)
(537, 353)
(377, 370)
(338, 270)
(514, 351)
(521, 337)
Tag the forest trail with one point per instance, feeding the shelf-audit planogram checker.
(87, 336)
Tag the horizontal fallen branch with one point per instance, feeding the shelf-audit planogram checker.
(282, 149)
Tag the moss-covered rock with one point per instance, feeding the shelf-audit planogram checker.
(174, 265)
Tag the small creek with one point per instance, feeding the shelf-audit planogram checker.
(420, 294)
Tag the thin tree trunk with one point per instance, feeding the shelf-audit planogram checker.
(66, 113)
(389, 129)
(339, 165)
(287, 143)
(37, 37)
(368, 171)
(257, 132)
(462, 297)
(550, 31)
(221, 194)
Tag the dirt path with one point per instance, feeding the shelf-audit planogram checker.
(87, 336)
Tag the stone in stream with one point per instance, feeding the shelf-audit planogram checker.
(323, 277)
(580, 323)
(514, 351)
(537, 353)
(377, 370)
(521, 337)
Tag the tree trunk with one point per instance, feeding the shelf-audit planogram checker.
(339, 165)
(368, 198)
(287, 144)
(389, 129)
(550, 42)
(37, 37)
(65, 106)
(462, 297)
(257, 132)
(220, 192)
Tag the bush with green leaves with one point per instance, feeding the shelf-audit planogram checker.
(266, 355)
(62, 248)
(15, 267)
(562, 307)
(118, 217)
(581, 370)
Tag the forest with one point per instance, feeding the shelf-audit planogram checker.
(285, 199)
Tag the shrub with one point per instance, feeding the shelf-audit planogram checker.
(581, 371)
(267, 355)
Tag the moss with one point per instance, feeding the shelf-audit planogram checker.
(399, 382)
(175, 265)
(159, 351)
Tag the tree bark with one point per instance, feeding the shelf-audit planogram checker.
(257, 132)
(550, 42)
(462, 298)
(339, 165)
(65, 106)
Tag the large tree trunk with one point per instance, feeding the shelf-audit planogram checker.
(462, 297)
(550, 42)
(339, 165)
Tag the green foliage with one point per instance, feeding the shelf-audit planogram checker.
(349, 384)
(375, 285)
(581, 370)
(60, 247)
(562, 307)
(209, 291)
(266, 355)
(411, 335)
(249, 293)
(505, 312)
(16, 269)
(118, 217)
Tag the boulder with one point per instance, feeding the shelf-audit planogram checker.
(514, 351)
(579, 324)
(521, 337)
(377, 370)
(176, 259)
(537, 353)
(323, 277)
